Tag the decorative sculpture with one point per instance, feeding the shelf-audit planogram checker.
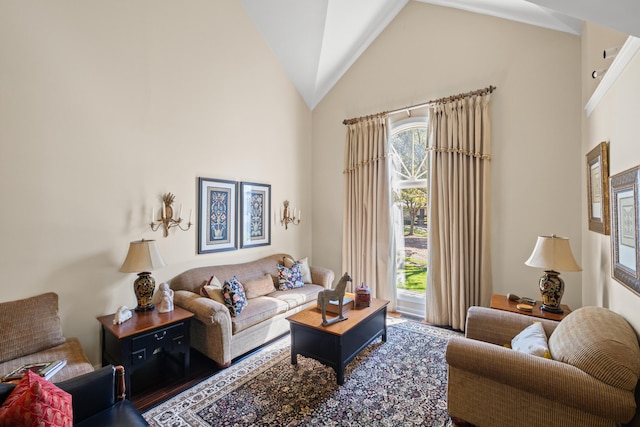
(166, 298)
(122, 315)
(331, 295)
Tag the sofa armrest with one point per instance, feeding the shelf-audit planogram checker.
(322, 276)
(551, 379)
(498, 326)
(206, 310)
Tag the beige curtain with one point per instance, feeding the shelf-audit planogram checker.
(367, 247)
(459, 263)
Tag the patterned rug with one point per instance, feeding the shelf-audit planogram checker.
(402, 382)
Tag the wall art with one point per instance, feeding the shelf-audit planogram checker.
(256, 214)
(598, 189)
(625, 213)
(217, 215)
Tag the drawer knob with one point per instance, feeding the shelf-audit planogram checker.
(160, 337)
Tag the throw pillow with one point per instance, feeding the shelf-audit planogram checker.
(258, 287)
(532, 340)
(289, 278)
(234, 296)
(36, 402)
(304, 267)
(212, 289)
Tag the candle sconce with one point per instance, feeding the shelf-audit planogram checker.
(166, 219)
(287, 217)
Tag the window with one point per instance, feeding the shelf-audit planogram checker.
(408, 145)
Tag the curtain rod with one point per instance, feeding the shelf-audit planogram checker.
(484, 91)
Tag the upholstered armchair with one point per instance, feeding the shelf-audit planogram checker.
(589, 381)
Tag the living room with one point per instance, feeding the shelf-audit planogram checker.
(106, 106)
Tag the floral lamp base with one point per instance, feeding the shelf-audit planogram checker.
(144, 286)
(551, 289)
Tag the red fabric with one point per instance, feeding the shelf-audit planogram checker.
(36, 402)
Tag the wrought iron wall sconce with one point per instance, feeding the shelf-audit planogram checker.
(166, 216)
(288, 217)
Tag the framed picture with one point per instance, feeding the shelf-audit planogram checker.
(217, 215)
(256, 214)
(625, 213)
(598, 189)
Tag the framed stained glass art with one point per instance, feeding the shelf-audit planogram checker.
(217, 215)
(255, 225)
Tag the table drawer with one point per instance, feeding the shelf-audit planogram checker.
(138, 357)
(163, 337)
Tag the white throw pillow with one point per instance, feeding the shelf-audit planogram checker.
(532, 340)
(304, 267)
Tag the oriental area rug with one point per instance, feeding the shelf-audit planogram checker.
(402, 382)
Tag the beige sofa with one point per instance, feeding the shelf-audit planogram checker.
(589, 382)
(221, 337)
(30, 332)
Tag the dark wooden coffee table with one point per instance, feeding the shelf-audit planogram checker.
(336, 345)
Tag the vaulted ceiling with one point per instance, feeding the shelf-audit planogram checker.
(316, 41)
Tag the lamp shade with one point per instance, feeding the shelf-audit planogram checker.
(553, 253)
(143, 255)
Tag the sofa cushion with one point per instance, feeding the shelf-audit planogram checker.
(289, 278)
(305, 270)
(234, 296)
(599, 342)
(259, 287)
(29, 325)
(36, 402)
(260, 308)
(298, 296)
(70, 350)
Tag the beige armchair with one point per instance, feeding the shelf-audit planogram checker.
(589, 382)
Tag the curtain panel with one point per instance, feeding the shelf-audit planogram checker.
(367, 249)
(459, 263)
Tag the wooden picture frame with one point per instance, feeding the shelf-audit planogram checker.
(255, 225)
(625, 215)
(598, 189)
(217, 215)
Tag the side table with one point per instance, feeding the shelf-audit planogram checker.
(133, 343)
(501, 302)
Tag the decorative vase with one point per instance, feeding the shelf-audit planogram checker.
(552, 289)
(144, 286)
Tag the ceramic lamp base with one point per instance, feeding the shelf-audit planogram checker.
(144, 286)
(551, 289)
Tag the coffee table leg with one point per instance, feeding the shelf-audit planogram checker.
(294, 355)
(340, 374)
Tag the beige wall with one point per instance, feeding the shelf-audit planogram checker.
(104, 106)
(614, 120)
(428, 52)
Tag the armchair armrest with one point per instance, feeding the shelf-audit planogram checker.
(551, 379)
(92, 392)
(322, 276)
(499, 327)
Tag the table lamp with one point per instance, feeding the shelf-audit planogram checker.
(143, 256)
(553, 254)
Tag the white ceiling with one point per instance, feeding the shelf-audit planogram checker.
(316, 41)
